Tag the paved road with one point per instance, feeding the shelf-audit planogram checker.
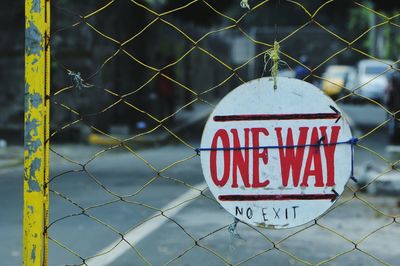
(123, 173)
(11, 216)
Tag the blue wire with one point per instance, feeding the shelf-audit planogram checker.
(353, 141)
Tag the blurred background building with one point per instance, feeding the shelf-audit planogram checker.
(100, 88)
(81, 50)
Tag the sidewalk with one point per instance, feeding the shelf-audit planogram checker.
(11, 156)
(182, 120)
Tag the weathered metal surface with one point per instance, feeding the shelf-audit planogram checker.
(36, 131)
(276, 158)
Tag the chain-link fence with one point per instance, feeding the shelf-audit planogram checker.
(132, 83)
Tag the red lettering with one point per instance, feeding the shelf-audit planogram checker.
(329, 150)
(240, 161)
(257, 155)
(314, 157)
(223, 135)
(291, 158)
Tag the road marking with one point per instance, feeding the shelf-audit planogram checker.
(139, 233)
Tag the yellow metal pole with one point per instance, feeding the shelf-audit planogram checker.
(36, 170)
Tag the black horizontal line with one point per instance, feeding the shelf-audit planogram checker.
(277, 197)
(256, 117)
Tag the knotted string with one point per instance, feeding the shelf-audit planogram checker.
(353, 143)
(273, 55)
(233, 235)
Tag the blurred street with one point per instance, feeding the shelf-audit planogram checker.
(116, 95)
(123, 173)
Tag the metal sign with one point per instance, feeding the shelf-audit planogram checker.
(276, 158)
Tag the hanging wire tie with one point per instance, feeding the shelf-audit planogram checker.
(245, 4)
(232, 229)
(273, 55)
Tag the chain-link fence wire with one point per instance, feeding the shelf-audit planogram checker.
(109, 61)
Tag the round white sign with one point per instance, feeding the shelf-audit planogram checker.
(276, 158)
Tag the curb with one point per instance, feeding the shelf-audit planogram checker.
(11, 164)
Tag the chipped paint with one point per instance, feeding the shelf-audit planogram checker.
(33, 40)
(35, 166)
(33, 254)
(31, 127)
(35, 6)
(26, 105)
(31, 178)
(35, 99)
(33, 146)
(33, 185)
(30, 207)
(36, 149)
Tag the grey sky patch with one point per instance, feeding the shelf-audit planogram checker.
(33, 40)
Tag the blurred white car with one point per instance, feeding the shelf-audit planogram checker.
(378, 183)
(371, 79)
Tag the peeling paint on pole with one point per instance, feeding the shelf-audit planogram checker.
(33, 41)
(36, 132)
(33, 254)
(35, 100)
(35, 6)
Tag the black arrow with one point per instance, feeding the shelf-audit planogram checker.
(337, 112)
(336, 195)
